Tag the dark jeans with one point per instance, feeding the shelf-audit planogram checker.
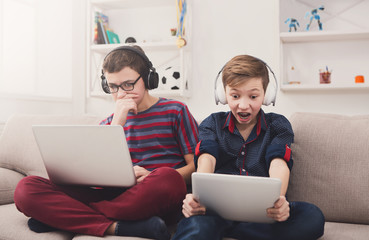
(306, 222)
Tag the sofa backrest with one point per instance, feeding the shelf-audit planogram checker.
(18, 148)
(331, 165)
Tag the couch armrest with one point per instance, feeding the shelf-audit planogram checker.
(18, 147)
(8, 181)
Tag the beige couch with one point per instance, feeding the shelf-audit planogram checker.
(331, 170)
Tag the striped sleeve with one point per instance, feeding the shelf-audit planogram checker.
(107, 121)
(187, 131)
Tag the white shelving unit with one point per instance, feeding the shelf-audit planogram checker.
(336, 41)
(344, 50)
(149, 22)
(295, 37)
(332, 87)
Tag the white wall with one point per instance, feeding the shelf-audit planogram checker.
(55, 52)
(221, 30)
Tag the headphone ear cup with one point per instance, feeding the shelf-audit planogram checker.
(270, 95)
(104, 84)
(272, 88)
(153, 80)
(220, 96)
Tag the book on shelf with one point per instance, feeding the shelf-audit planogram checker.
(103, 34)
(112, 37)
(98, 31)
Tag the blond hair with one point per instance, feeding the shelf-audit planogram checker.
(242, 68)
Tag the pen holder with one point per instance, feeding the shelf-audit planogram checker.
(325, 77)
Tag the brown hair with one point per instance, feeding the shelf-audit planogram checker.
(116, 60)
(243, 67)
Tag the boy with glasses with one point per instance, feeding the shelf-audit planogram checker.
(162, 136)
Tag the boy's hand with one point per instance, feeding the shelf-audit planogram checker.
(192, 207)
(280, 211)
(140, 173)
(122, 107)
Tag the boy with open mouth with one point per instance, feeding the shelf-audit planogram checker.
(247, 141)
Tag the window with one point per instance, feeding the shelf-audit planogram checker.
(18, 47)
(36, 48)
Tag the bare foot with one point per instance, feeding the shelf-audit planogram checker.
(111, 229)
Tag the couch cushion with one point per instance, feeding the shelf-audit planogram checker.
(331, 165)
(87, 237)
(8, 182)
(13, 226)
(18, 148)
(344, 231)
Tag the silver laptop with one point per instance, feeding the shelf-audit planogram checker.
(237, 198)
(85, 155)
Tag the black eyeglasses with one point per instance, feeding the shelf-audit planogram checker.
(126, 86)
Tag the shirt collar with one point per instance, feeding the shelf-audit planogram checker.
(261, 124)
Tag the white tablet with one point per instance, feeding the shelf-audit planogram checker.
(237, 198)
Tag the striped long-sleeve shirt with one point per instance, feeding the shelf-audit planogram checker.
(160, 135)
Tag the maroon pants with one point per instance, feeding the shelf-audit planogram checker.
(91, 211)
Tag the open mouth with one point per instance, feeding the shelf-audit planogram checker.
(244, 115)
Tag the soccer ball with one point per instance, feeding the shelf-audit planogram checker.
(171, 78)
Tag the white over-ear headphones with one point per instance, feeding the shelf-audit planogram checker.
(269, 98)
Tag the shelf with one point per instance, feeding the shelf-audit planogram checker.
(342, 46)
(295, 37)
(152, 36)
(125, 4)
(330, 87)
(167, 45)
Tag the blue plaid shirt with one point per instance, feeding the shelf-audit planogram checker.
(270, 138)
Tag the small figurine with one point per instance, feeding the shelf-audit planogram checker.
(293, 23)
(314, 15)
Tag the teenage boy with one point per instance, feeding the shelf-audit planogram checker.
(161, 135)
(247, 141)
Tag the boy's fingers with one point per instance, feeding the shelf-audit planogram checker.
(279, 214)
(190, 208)
(193, 204)
(281, 202)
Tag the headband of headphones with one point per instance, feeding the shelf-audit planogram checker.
(270, 94)
(151, 81)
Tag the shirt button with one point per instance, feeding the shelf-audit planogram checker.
(242, 153)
